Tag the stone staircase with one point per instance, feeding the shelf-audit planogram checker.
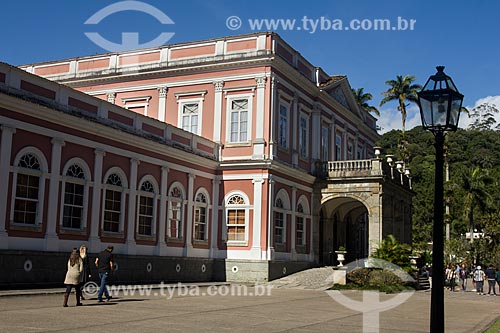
(423, 283)
(320, 278)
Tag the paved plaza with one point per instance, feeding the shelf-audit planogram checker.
(283, 310)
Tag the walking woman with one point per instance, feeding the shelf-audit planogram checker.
(75, 268)
(85, 276)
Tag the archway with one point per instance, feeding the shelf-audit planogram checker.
(343, 223)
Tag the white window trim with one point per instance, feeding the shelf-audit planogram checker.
(285, 199)
(144, 104)
(306, 117)
(43, 174)
(305, 215)
(124, 190)
(208, 209)
(339, 134)
(182, 102)
(246, 206)
(229, 99)
(86, 187)
(182, 218)
(287, 133)
(155, 195)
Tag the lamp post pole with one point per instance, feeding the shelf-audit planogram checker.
(437, 292)
(440, 103)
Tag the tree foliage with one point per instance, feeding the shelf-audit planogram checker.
(473, 156)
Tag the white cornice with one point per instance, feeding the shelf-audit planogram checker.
(99, 130)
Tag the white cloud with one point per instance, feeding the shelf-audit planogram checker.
(391, 119)
(465, 121)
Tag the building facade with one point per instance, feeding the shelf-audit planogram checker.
(197, 161)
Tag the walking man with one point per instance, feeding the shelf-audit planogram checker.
(479, 279)
(104, 263)
(490, 275)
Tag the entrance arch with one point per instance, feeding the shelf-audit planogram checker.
(343, 222)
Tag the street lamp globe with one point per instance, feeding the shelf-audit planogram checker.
(440, 103)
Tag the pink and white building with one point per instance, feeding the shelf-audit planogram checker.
(203, 160)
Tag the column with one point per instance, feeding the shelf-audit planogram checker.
(295, 134)
(269, 255)
(257, 218)
(293, 226)
(162, 103)
(161, 248)
(132, 203)
(95, 245)
(5, 154)
(51, 238)
(189, 216)
(316, 130)
(259, 142)
(274, 97)
(218, 85)
(214, 227)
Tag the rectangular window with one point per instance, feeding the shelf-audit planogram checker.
(145, 222)
(239, 120)
(283, 126)
(324, 142)
(26, 202)
(200, 223)
(190, 115)
(359, 153)
(279, 226)
(175, 220)
(350, 150)
(73, 205)
(299, 230)
(338, 147)
(303, 136)
(236, 225)
(112, 211)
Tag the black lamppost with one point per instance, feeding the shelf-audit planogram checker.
(440, 104)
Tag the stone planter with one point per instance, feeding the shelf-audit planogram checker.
(340, 257)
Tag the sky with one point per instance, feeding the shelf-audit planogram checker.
(337, 35)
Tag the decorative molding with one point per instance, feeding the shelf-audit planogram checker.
(191, 93)
(261, 82)
(162, 92)
(111, 97)
(218, 85)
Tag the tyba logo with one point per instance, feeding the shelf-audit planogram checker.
(130, 40)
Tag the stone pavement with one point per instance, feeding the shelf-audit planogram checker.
(194, 309)
(320, 278)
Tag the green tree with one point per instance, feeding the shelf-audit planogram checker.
(476, 193)
(401, 90)
(362, 99)
(391, 250)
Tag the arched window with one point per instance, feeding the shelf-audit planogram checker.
(146, 211)
(299, 226)
(74, 197)
(175, 212)
(201, 217)
(281, 209)
(26, 201)
(237, 213)
(113, 203)
(301, 214)
(279, 222)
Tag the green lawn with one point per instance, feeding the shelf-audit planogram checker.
(495, 328)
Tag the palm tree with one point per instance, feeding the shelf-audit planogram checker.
(476, 194)
(362, 99)
(401, 90)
